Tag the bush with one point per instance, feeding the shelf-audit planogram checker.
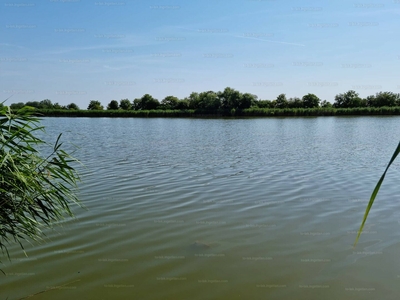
(35, 190)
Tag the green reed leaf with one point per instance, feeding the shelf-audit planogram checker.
(375, 192)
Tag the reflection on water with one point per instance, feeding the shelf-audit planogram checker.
(221, 209)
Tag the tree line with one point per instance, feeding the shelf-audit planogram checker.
(228, 99)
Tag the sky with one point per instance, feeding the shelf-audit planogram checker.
(74, 51)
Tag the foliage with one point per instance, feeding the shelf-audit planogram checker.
(248, 112)
(95, 105)
(17, 106)
(136, 104)
(310, 101)
(125, 104)
(46, 103)
(325, 104)
(281, 101)
(182, 104)
(295, 103)
(265, 104)
(375, 192)
(113, 105)
(247, 100)
(35, 104)
(72, 106)
(58, 106)
(209, 101)
(147, 102)
(169, 102)
(230, 98)
(35, 190)
(383, 99)
(193, 100)
(348, 99)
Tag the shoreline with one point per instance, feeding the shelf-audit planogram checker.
(245, 113)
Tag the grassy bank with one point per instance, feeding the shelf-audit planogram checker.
(250, 112)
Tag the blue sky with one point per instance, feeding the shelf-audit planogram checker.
(77, 51)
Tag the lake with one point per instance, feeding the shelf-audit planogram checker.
(264, 208)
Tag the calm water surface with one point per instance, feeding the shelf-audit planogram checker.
(221, 209)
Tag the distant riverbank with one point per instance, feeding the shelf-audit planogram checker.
(198, 113)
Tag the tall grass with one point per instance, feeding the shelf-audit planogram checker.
(375, 192)
(114, 113)
(35, 190)
(249, 112)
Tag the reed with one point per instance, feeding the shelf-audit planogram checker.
(249, 112)
(35, 190)
(375, 192)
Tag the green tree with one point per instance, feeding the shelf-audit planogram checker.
(265, 104)
(347, 100)
(247, 100)
(182, 104)
(281, 101)
(16, 106)
(72, 106)
(136, 104)
(58, 106)
(386, 99)
(295, 103)
(35, 104)
(209, 100)
(46, 104)
(310, 101)
(147, 102)
(113, 105)
(35, 190)
(371, 101)
(193, 100)
(169, 102)
(229, 98)
(125, 104)
(326, 104)
(95, 105)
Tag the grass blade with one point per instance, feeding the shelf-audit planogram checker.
(375, 192)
